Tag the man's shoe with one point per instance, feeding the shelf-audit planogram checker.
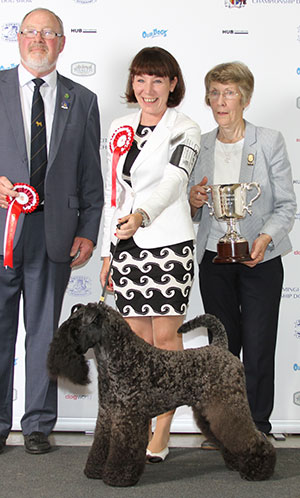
(208, 445)
(2, 443)
(37, 443)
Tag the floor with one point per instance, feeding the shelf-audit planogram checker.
(176, 440)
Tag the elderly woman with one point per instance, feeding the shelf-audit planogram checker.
(244, 296)
(146, 198)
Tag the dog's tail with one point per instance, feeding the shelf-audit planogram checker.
(213, 324)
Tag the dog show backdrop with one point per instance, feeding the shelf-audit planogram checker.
(101, 39)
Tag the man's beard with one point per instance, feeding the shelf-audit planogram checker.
(40, 64)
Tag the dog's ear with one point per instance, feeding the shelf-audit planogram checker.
(87, 312)
(90, 313)
(65, 357)
(76, 307)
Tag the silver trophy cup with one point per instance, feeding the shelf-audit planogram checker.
(229, 203)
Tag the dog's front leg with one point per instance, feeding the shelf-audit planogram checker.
(127, 450)
(99, 451)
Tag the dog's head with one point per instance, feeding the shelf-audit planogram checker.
(70, 342)
(88, 325)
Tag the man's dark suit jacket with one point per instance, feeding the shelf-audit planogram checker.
(73, 183)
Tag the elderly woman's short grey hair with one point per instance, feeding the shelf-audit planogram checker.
(231, 72)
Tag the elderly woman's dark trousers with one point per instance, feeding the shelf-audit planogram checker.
(247, 301)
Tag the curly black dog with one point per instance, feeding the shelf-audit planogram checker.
(138, 381)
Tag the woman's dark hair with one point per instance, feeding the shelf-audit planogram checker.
(159, 62)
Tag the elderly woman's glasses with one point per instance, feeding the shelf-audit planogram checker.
(227, 94)
(46, 34)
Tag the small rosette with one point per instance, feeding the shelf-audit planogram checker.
(120, 143)
(26, 202)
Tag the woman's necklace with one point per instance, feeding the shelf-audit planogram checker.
(229, 149)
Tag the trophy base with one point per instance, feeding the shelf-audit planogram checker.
(232, 252)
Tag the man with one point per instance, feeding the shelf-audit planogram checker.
(61, 233)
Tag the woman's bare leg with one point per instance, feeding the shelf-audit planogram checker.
(165, 337)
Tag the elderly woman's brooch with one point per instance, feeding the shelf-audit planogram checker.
(250, 160)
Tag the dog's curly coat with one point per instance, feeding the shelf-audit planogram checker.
(138, 381)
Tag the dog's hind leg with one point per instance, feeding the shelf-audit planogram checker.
(127, 452)
(98, 453)
(210, 428)
(258, 461)
(243, 447)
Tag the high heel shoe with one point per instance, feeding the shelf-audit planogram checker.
(157, 457)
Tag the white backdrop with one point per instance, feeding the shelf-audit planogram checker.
(102, 37)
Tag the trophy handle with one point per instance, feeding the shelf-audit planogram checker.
(211, 206)
(248, 186)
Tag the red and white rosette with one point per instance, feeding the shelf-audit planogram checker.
(26, 202)
(119, 143)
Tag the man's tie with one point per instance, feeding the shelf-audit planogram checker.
(38, 162)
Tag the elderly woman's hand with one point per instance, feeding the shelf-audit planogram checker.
(198, 195)
(258, 249)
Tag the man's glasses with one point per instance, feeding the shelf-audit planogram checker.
(227, 94)
(46, 34)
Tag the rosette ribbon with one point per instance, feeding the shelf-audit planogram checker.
(119, 143)
(26, 202)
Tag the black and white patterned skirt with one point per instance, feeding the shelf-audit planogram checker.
(152, 282)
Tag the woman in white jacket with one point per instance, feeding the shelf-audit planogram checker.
(146, 196)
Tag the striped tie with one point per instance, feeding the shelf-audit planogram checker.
(38, 161)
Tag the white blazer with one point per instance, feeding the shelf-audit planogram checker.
(158, 187)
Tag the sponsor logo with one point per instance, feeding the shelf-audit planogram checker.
(16, 1)
(291, 292)
(155, 33)
(9, 31)
(276, 1)
(16, 361)
(297, 253)
(78, 397)
(296, 367)
(297, 328)
(3, 68)
(235, 32)
(296, 182)
(83, 68)
(297, 216)
(84, 31)
(235, 3)
(296, 398)
(79, 285)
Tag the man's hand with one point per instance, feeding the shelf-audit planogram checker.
(6, 189)
(81, 251)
